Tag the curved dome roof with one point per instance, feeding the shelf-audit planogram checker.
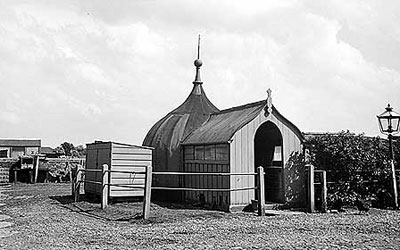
(176, 125)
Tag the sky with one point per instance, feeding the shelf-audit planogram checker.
(80, 71)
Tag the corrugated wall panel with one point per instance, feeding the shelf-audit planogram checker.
(129, 158)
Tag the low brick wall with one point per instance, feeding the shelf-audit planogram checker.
(5, 165)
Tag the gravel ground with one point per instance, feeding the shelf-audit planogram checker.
(43, 217)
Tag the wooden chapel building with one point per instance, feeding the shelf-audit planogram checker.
(198, 137)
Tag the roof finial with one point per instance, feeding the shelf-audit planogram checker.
(198, 64)
(269, 101)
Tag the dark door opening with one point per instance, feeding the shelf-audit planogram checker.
(268, 152)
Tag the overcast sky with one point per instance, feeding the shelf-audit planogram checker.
(81, 71)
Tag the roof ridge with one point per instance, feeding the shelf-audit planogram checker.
(244, 106)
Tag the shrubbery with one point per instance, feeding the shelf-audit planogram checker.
(356, 165)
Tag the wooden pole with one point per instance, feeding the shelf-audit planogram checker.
(105, 187)
(311, 189)
(36, 158)
(324, 192)
(261, 191)
(75, 184)
(147, 193)
(394, 181)
(395, 194)
(15, 176)
(69, 167)
(78, 181)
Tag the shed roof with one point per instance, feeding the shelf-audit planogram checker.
(47, 150)
(221, 126)
(19, 143)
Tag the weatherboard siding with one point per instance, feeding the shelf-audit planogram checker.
(119, 157)
(242, 155)
(207, 159)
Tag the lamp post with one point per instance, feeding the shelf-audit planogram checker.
(389, 122)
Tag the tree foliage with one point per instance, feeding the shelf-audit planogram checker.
(356, 165)
(68, 149)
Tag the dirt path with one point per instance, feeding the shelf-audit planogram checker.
(44, 218)
(5, 220)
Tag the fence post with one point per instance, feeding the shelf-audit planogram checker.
(36, 164)
(73, 173)
(15, 176)
(76, 184)
(324, 192)
(261, 191)
(147, 193)
(311, 189)
(105, 187)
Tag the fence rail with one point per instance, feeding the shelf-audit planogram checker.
(260, 174)
(203, 189)
(198, 173)
(105, 184)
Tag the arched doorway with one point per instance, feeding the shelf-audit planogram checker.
(268, 152)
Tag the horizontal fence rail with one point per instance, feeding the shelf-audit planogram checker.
(260, 174)
(203, 189)
(105, 183)
(198, 173)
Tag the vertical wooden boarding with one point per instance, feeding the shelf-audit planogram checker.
(311, 189)
(261, 192)
(147, 193)
(324, 192)
(105, 187)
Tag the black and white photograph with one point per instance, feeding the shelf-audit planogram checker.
(208, 124)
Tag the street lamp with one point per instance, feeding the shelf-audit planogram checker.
(389, 122)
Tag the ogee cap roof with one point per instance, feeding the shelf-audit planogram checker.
(176, 125)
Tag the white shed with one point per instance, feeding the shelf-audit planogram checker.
(119, 157)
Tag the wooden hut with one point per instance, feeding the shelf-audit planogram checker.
(238, 140)
(198, 137)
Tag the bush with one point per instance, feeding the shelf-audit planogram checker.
(356, 165)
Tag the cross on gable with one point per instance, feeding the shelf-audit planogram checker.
(269, 101)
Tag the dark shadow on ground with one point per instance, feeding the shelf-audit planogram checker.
(68, 199)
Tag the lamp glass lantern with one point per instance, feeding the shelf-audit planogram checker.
(389, 121)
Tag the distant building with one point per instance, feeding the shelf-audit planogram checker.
(14, 148)
(48, 152)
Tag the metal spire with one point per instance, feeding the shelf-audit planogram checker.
(198, 63)
(198, 48)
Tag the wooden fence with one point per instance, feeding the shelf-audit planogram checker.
(320, 175)
(317, 180)
(78, 179)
